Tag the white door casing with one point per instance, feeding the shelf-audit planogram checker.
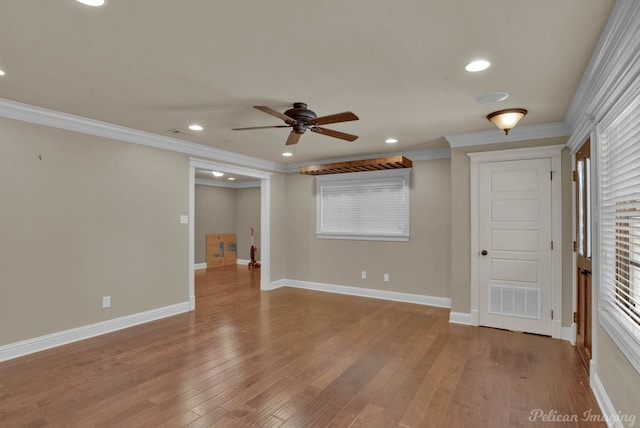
(516, 219)
(265, 219)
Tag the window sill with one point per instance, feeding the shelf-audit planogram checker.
(362, 237)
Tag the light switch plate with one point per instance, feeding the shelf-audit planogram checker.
(184, 219)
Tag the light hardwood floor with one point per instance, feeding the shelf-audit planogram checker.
(297, 358)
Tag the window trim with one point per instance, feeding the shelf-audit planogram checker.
(353, 179)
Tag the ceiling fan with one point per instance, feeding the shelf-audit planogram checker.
(300, 119)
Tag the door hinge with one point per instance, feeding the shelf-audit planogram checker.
(575, 317)
(551, 313)
(551, 245)
(575, 246)
(575, 175)
(551, 175)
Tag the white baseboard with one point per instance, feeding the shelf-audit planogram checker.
(29, 346)
(276, 284)
(460, 318)
(609, 413)
(199, 266)
(419, 299)
(569, 334)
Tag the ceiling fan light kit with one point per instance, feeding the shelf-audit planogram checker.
(507, 119)
(301, 119)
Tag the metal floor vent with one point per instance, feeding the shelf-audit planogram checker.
(514, 301)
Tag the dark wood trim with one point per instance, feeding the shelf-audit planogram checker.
(377, 164)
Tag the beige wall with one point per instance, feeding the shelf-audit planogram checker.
(419, 266)
(619, 378)
(226, 210)
(461, 217)
(247, 216)
(94, 217)
(215, 212)
(279, 219)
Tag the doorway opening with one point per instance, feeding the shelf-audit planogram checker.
(264, 177)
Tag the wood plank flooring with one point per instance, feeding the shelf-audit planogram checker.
(297, 358)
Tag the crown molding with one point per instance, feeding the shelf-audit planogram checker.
(42, 116)
(612, 70)
(520, 133)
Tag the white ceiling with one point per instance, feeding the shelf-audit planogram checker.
(156, 65)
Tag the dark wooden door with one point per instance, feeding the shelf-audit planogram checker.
(582, 246)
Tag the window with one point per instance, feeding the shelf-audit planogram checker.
(370, 205)
(619, 143)
(583, 233)
(628, 258)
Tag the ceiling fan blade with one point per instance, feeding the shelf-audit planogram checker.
(261, 127)
(275, 113)
(335, 134)
(293, 138)
(335, 118)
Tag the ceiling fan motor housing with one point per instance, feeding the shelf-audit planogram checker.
(301, 114)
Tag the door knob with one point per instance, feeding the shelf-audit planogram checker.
(484, 252)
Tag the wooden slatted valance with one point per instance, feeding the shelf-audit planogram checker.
(378, 164)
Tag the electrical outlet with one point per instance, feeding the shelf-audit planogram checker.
(106, 301)
(386, 277)
(363, 274)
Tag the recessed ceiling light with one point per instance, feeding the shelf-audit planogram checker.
(231, 178)
(391, 140)
(492, 97)
(1, 72)
(94, 3)
(217, 174)
(287, 154)
(195, 127)
(478, 65)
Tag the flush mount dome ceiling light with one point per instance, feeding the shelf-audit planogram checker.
(507, 119)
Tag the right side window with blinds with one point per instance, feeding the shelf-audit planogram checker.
(619, 185)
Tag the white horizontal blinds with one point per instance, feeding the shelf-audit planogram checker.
(367, 205)
(620, 189)
(364, 208)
